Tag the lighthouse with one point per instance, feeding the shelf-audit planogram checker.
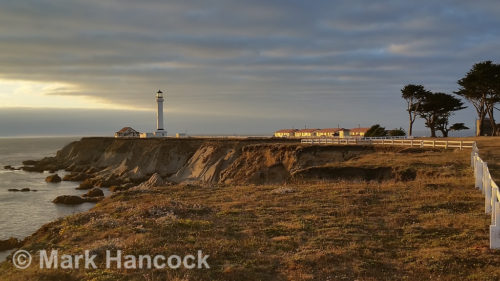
(160, 131)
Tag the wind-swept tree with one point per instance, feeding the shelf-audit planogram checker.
(442, 125)
(397, 132)
(436, 109)
(376, 131)
(481, 87)
(458, 127)
(414, 95)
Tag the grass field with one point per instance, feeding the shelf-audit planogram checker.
(433, 227)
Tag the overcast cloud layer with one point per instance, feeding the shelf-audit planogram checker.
(258, 65)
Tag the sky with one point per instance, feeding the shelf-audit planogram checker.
(90, 67)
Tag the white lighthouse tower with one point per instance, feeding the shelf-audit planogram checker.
(160, 131)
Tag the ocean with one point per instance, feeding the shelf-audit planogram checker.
(22, 213)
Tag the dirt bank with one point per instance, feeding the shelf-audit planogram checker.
(110, 161)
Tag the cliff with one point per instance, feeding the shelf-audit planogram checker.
(110, 161)
(431, 228)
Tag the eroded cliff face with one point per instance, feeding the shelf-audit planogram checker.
(109, 161)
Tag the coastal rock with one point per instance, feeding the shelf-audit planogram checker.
(91, 170)
(86, 184)
(9, 244)
(93, 199)
(113, 162)
(116, 188)
(53, 178)
(154, 180)
(69, 200)
(75, 177)
(75, 200)
(32, 169)
(30, 162)
(94, 192)
(9, 167)
(21, 190)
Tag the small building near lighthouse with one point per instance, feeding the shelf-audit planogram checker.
(127, 132)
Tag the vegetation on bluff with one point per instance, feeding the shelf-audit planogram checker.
(429, 227)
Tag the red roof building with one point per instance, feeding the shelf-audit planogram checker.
(127, 132)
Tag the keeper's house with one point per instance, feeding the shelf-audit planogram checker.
(333, 132)
(358, 132)
(127, 132)
(306, 133)
(285, 133)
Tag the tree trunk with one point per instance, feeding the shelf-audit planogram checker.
(433, 132)
(410, 128)
(492, 121)
(481, 126)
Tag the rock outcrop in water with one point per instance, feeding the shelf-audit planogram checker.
(105, 162)
(75, 200)
(94, 192)
(10, 243)
(53, 178)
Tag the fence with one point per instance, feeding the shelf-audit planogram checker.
(485, 183)
(399, 142)
(389, 137)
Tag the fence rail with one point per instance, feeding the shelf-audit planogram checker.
(484, 182)
(397, 142)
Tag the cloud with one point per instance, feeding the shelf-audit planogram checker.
(256, 57)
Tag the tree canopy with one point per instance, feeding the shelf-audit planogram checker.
(397, 132)
(436, 108)
(481, 87)
(376, 131)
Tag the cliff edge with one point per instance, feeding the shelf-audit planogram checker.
(108, 161)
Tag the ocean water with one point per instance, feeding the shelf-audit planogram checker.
(22, 213)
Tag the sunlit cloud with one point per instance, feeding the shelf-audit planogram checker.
(36, 94)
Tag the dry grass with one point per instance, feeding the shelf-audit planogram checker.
(431, 228)
(489, 150)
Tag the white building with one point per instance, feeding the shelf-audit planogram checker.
(160, 130)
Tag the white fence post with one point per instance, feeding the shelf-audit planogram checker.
(494, 200)
(487, 190)
(479, 173)
(495, 224)
(484, 171)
